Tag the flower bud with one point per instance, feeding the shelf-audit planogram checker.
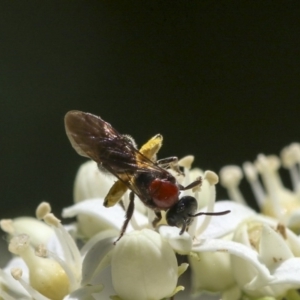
(144, 266)
(211, 271)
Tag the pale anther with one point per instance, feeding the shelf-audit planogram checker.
(290, 155)
(50, 219)
(7, 226)
(250, 171)
(42, 210)
(16, 273)
(41, 251)
(19, 243)
(267, 163)
(211, 177)
(186, 161)
(231, 176)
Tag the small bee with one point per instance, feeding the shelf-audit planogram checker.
(136, 170)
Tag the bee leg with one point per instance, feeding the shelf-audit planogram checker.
(129, 214)
(170, 162)
(157, 219)
(191, 185)
(184, 227)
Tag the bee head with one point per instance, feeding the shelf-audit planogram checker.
(183, 212)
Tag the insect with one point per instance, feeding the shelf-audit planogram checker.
(136, 170)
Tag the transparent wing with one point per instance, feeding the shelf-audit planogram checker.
(92, 137)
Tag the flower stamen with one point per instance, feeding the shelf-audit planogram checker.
(17, 275)
(231, 177)
(251, 176)
(72, 259)
(212, 179)
(45, 275)
(290, 157)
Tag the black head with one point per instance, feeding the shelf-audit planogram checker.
(182, 213)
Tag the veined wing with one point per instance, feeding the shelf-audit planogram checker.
(92, 137)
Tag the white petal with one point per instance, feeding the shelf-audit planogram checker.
(105, 278)
(182, 244)
(286, 277)
(241, 251)
(273, 248)
(291, 238)
(96, 217)
(288, 273)
(96, 259)
(222, 225)
(85, 293)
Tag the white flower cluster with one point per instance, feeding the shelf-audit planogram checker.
(240, 255)
(273, 198)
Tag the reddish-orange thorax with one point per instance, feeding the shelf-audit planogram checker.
(164, 193)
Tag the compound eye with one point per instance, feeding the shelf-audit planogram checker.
(188, 205)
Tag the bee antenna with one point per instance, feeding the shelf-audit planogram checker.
(225, 212)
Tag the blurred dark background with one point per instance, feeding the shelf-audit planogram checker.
(219, 80)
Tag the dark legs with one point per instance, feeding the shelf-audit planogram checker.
(129, 214)
(184, 227)
(157, 219)
(169, 162)
(191, 185)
